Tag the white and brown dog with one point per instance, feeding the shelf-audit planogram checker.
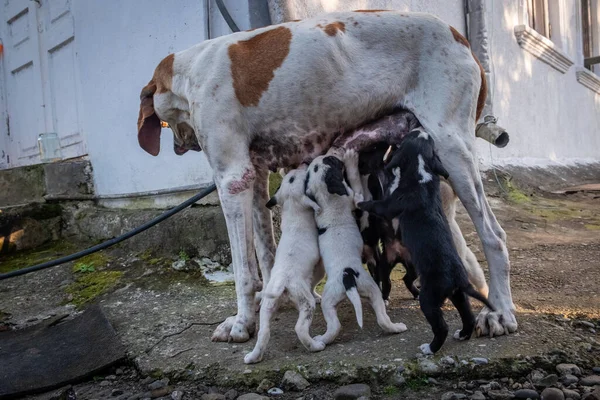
(272, 97)
(297, 268)
(341, 248)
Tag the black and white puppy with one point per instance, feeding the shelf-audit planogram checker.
(340, 244)
(417, 204)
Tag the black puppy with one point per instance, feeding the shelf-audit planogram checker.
(381, 260)
(427, 236)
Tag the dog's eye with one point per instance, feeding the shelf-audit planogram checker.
(316, 168)
(292, 179)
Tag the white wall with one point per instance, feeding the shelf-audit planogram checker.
(549, 115)
(119, 43)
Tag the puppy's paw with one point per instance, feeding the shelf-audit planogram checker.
(398, 328)
(253, 357)
(458, 336)
(358, 198)
(425, 349)
(386, 302)
(317, 345)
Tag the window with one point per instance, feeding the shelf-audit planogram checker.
(537, 11)
(589, 30)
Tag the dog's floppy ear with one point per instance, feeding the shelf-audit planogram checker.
(334, 176)
(148, 122)
(437, 167)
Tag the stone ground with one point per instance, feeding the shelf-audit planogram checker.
(165, 318)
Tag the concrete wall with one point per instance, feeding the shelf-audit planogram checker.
(119, 44)
(550, 116)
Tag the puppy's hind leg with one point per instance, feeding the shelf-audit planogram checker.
(306, 307)
(461, 302)
(332, 295)
(267, 309)
(367, 288)
(431, 307)
(410, 277)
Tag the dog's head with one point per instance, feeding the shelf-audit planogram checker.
(324, 178)
(158, 103)
(416, 159)
(370, 159)
(291, 188)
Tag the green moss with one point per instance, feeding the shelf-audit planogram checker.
(91, 285)
(592, 227)
(98, 260)
(514, 194)
(416, 383)
(154, 261)
(274, 183)
(391, 390)
(28, 258)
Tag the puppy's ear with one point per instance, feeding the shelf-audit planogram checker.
(271, 203)
(394, 162)
(438, 168)
(334, 176)
(148, 122)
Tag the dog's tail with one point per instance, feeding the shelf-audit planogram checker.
(471, 291)
(349, 279)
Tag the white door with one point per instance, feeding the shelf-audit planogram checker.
(41, 78)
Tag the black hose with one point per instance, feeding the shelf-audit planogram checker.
(227, 16)
(113, 241)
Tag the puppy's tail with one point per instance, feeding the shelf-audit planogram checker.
(349, 280)
(471, 291)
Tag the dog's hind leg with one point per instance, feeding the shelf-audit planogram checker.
(462, 304)
(432, 309)
(410, 277)
(305, 302)
(267, 309)
(367, 288)
(264, 241)
(332, 295)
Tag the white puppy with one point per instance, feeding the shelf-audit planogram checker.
(341, 247)
(297, 268)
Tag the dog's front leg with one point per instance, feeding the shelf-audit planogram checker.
(235, 181)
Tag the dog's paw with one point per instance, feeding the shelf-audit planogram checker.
(458, 336)
(495, 323)
(398, 327)
(386, 302)
(317, 345)
(358, 198)
(425, 349)
(232, 330)
(221, 333)
(253, 357)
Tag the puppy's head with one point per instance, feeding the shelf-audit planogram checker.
(292, 187)
(416, 158)
(325, 177)
(371, 158)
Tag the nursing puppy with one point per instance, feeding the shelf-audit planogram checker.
(297, 268)
(341, 246)
(417, 204)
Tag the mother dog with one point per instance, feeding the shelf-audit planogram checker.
(273, 97)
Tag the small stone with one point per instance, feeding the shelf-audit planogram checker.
(553, 394)
(569, 379)
(213, 396)
(252, 396)
(124, 396)
(156, 385)
(591, 380)
(571, 394)
(264, 385)
(453, 396)
(500, 395)
(564, 369)
(477, 396)
(116, 392)
(292, 380)
(462, 385)
(178, 265)
(526, 394)
(428, 366)
(231, 394)
(479, 360)
(447, 360)
(202, 389)
(471, 385)
(147, 380)
(213, 389)
(275, 391)
(596, 370)
(433, 381)
(163, 391)
(537, 375)
(595, 395)
(351, 392)
(516, 386)
(119, 371)
(110, 377)
(177, 395)
(547, 381)
(587, 324)
(105, 383)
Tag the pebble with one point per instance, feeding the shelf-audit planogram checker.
(516, 386)
(119, 371)
(275, 391)
(548, 380)
(110, 377)
(212, 396)
(252, 396)
(591, 380)
(571, 394)
(526, 394)
(292, 380)
(447, 360)
(479, 360)
(553, 394)
(177, 395)
(564, 369)
(595, 395)
(231, 394)
(428, 366)
(500, 394)
(351, 392)
(477, 396)
(433, 381)
(158, 384)
(147, 380)
(537, 375)
(587, 324)
(124, 396)
(264, 385)
(116, 392)
(202, 389)
(453, 396)
(163, 391)
(569, 379)
(105, 383)
(596, 370)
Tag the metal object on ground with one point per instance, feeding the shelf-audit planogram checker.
(56, 352)
(489, 131)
